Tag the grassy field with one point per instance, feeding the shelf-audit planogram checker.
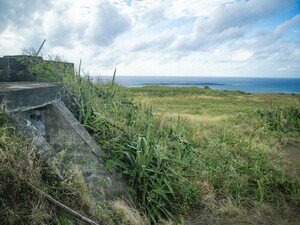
(188, 155)
(208, 105)
(242, 144)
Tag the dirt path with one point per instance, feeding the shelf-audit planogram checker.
(293, 155)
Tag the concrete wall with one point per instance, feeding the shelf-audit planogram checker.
(21, 96)
(66, 145)
(15, 68)
(42, 117)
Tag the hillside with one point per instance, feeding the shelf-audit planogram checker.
(189, 155)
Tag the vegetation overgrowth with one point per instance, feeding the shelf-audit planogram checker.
(238, 140)
(22, 167)
(194, 155)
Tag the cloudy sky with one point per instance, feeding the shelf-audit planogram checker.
(159, 37)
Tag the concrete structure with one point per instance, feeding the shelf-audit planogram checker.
(42, 117)
(15, 68)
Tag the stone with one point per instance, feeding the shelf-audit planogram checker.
(22, 96)
(42, 117)
(15, 68)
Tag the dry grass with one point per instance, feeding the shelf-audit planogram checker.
(131, 215)
(196, 118)
(208, 113)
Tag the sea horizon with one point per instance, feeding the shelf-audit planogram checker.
(287, 85)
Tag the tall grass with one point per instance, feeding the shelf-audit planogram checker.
(20, 165)
(150, 158)
(238, 157)
(153, 159)
(168, 168)
(281, 119)
(239, 168)
(165, 166)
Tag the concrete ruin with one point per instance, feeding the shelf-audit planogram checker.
(41, 116)
(16, 68)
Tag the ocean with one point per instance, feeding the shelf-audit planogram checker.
(247, 84)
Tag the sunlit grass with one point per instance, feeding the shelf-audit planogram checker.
(238, 138)
(210, 102)
(188, 154)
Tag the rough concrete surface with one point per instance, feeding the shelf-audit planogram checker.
(22, 96)
(16, 68)
(42, 117)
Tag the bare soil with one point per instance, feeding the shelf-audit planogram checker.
(292, 151)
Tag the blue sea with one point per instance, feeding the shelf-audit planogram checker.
(247, 84)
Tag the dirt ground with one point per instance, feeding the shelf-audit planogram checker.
(292, 151)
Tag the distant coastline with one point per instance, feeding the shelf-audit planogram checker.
(182, 84)
(247, 84)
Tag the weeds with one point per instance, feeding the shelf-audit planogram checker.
(281, 119)
(240, 169)
(134, 145)
(149, 175)
(175, 165)
(236, 157)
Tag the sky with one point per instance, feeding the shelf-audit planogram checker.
(159, 37)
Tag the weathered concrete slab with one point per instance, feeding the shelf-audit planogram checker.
(22, 96)
(42, 117)
(65, 131)
(63, 113)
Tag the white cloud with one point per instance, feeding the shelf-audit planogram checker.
(20, 13)
(195, 37)
(106, 24)
(198, 8)
(287, 24)
(226, 22)
(241, 55)
(155, 14)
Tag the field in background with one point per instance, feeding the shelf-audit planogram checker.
(230, 131)
(188, 155)
(208, 105)
(210, 108)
